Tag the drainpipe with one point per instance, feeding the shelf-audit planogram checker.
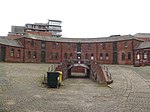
(139, 57)
(24, 51)
(133, 60)
(61, 52)
(97, 52)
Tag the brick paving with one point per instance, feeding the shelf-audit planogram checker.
(21, 91)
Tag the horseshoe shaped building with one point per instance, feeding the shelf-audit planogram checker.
(41, 47)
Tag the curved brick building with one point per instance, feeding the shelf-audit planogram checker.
(41, 47)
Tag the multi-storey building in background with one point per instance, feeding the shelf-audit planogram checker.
(53, 26)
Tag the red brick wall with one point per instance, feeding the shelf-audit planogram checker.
(104, 48)
(126, 50)
(78, 69)
(14, 58)
(69, 48)
(89, 48)
(95, 48)
(65, 47)
(29, 47)
(14, 36)
(142, 61)
(41, 33)
(54, 50)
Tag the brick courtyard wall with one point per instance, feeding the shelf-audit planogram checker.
(128, 48)
(27, 42)
(89, 48)
(69, 48)
(34, 46)
(16, 57)
(53, 47)
(141, 61)
(78, 69)
(105, 47)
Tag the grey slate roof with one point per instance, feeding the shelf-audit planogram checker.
(5, 41)
(83, 40)
(144, 35)
(143, 45)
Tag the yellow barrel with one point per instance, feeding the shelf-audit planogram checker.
(59, 77)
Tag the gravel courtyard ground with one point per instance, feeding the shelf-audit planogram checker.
(21, 91)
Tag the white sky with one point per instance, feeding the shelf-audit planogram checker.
(81, 18)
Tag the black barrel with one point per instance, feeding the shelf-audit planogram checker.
(52, 79)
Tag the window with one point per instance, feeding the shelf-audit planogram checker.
(129, 56)
(12, 52)
(101, 56)
(65, 55)
(18, 54)
(51, 56)
(123, 56)
(89, 46)
(92, 56)
(145, 55)
(32, 43)
(78, 47)
(43, 45)
(34, 54)
(104, 45)
(68, 46)
(54, 45)
(29, 54)
(71, 56)
(126, 44)
(138, 55)
(100, 44)
(86, 56)
(56, 56)
(106, 56)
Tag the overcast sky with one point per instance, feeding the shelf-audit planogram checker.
(81, 18)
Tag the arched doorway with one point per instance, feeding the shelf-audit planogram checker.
(78, 71)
